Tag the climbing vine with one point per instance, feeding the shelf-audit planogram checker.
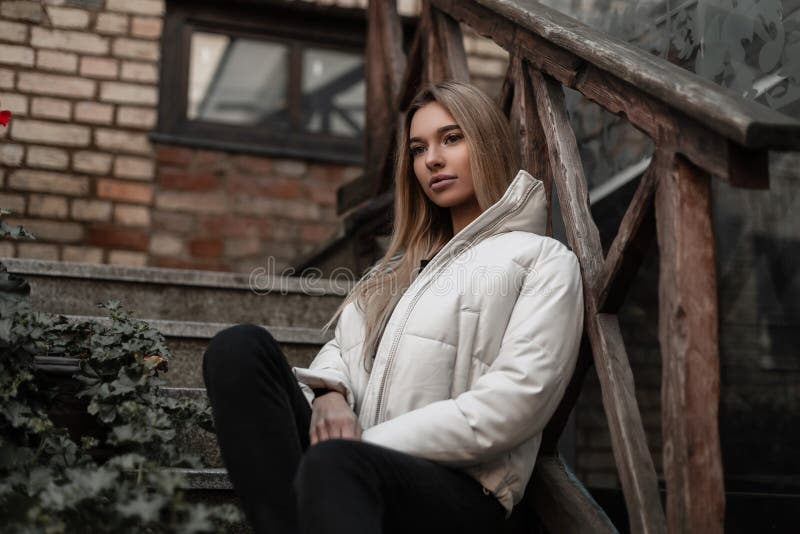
(108, 476)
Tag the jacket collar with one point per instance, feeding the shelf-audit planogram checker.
(523, 207)
(524, 200)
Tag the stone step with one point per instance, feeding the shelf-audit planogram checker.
(181, 295)
(197, 441)
(211, 486)
(187, 340)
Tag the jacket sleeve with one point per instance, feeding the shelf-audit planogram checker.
(518, 394)
(328, 370)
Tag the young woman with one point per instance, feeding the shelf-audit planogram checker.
(424, 412)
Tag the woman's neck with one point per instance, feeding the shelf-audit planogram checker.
(463, 214)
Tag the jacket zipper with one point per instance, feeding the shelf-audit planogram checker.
(413, 303)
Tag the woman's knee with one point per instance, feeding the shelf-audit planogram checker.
(239, 349)
(329, 461)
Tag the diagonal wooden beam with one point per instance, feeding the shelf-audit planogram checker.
(445, 58)
(386, 63)
(687, 334)
(634, 463)
(528, 131)
(506, 96)
(636, 232)
(562, 502)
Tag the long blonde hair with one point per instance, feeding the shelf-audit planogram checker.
(420, 227)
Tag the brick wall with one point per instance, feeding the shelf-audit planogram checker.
(81, 79)
(230, 211)
(77, 166)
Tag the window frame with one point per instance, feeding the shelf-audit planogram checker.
(301, 27)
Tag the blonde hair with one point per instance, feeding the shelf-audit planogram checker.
(421, 228)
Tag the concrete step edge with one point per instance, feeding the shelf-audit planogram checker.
(210, 478)
(258, 281)
(204, 330)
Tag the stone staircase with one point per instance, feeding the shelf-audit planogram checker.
(189, 307)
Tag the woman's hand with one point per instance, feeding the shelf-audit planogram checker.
(331, 417)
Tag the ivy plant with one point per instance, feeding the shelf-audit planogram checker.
(111, 476)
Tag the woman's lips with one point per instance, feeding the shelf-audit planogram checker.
(442, 184)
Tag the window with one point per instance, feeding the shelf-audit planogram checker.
(271, 78)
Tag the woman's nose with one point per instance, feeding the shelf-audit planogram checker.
(433, 158)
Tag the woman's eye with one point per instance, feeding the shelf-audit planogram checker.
(416, 150)
(452, 138)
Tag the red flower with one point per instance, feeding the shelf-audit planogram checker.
(5, 116)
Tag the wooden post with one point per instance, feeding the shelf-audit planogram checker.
(528, 130)
(688, 337)
(634, 463)
(445, 58)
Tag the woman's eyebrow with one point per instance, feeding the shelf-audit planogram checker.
(439, 131)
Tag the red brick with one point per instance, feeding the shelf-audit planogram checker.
(206, 247)
(21, 10)
(49, 206)
(131, 215)
(323, 194)
(17, 55)
(172, 222)
(174, 155)
(139, 72)
(252, 165)
(37, 251)
(139, 7)
(51, 108)
(135, 49)
(111, 23)
(64, 17)
(126, 257)
(94, 113)
(99, 67)
(87, 43)
(108, 235)
(13, 32)
(228, 225)
(267, 187)
(317, 232)
(147, 27)
(61, 61)
(186, 181)
(179, 263)
(125, 191)
(49, 132)
(82, 254)
(52, 84)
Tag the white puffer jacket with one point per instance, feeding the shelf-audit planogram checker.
(477, 353)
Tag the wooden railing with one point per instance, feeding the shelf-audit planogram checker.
(698, 130)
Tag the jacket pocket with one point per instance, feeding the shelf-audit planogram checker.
(467, 330)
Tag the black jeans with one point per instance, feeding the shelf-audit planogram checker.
(336, 486)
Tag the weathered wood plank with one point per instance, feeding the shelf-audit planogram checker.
(567, 169)
(627, 251)
(560, 64)
(669, 127)
(689, 347)
(743, 121)
(384, 68)
(632, 457)
(555, 427)
(562, 502)
(528, 131)
(412, 76)
(506, 96)
(445, 58)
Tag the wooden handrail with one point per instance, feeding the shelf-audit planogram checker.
(742, 121)
(699, 130)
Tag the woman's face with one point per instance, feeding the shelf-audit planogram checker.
(440, 157)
